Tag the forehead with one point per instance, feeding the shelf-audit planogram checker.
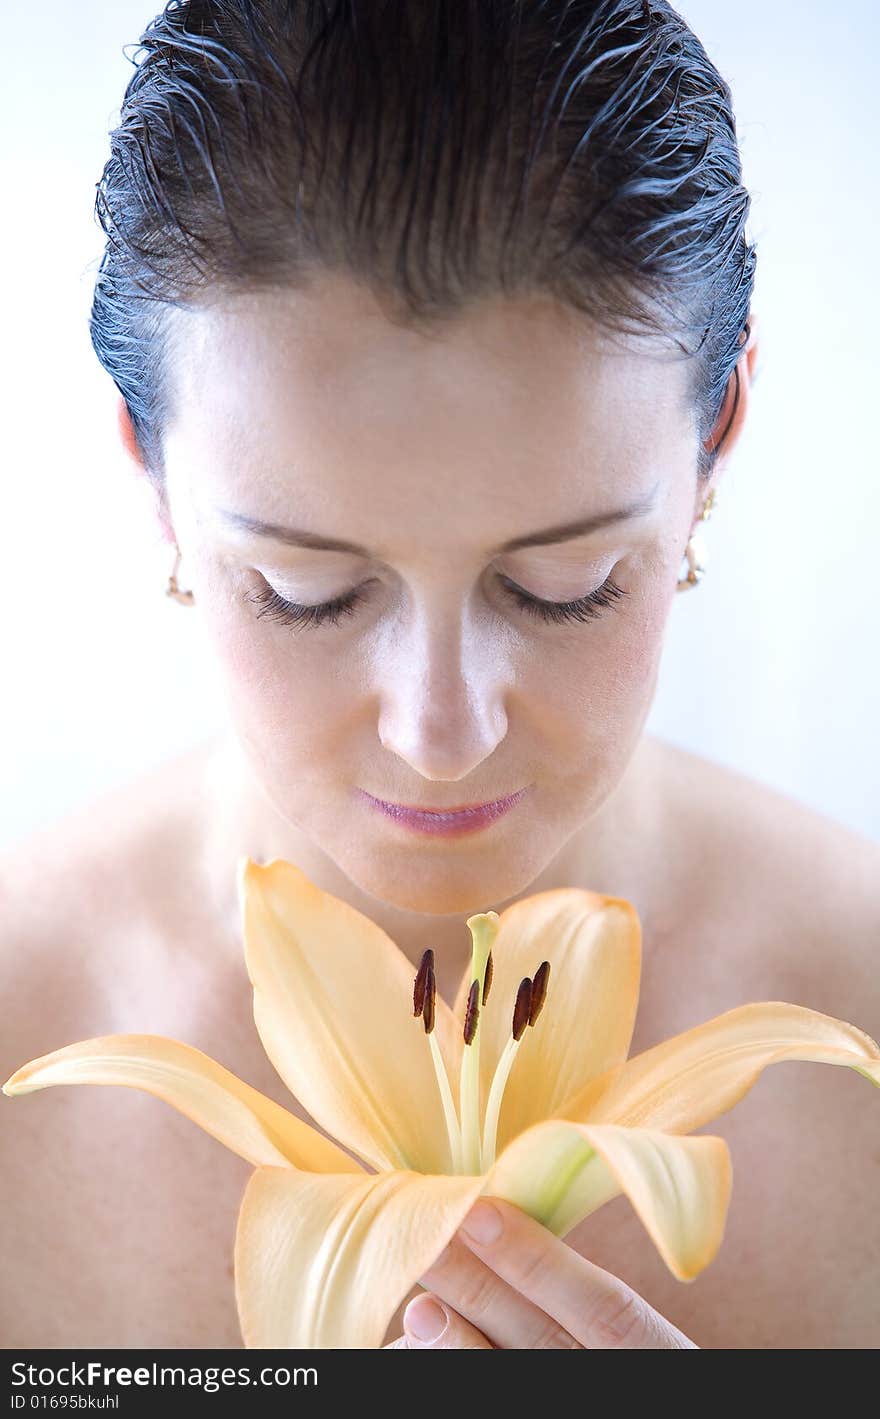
(279, 394)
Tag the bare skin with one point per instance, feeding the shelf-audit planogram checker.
(429, 455)
(118, 1214)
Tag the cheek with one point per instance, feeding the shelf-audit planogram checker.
(599, 684)
(578, 693)
(641, 644)
(282, 691)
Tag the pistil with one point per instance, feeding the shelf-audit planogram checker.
(470, 1153)
(424, 998)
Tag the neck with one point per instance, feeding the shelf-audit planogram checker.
(607, 855)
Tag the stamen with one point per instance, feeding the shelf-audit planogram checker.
(496, 1093)
(430, 998)
(426, 962)
(522, 1007)
(472, 1013)
(484, 928)
(539, 990)
(488, 981)
(424, 1001)
(452, 1127)
(530, 998)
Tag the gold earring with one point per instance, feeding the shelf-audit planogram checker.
(186, 598)
(695, 550)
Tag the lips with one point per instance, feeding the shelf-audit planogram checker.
(458, 808)
(466, 818)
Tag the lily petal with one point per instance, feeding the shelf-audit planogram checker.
(560, 1172)
(252, 1125)
(593, 944)
(323, 1262)
(333, 1007)
(690, 1079)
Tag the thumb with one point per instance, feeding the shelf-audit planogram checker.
(430, 1325)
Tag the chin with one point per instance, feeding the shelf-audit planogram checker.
(454, 880)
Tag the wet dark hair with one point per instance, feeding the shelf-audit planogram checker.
(438, 152)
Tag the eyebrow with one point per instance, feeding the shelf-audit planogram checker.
(563, 532)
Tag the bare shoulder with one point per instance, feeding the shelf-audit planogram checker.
(801, 888)
(754, 817)
(100, 934)
(780, 903)
(95, 886)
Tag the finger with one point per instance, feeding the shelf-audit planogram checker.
(430, 1325)
(598, 1309)
(508, 1319)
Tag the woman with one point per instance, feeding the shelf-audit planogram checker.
(432, 332)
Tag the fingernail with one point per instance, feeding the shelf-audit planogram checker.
(483, 1223)
(425, 1318)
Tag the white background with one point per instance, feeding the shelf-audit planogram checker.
(772, 664)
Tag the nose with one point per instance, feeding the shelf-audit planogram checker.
(442, 697)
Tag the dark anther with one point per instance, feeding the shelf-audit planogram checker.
(539, 990)
(472, 1014)
(430, 997)
(487, 979)
(426, 964)
(522, 1006)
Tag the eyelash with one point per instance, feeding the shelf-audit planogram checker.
(585, 608)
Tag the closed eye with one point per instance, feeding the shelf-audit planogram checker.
(289, 613)
(585, 608)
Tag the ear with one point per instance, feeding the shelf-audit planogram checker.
(734, 411)
(128, 436)
(129, 441)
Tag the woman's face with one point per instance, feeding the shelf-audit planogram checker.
(314, 412)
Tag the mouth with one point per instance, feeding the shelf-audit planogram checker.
(446, 822)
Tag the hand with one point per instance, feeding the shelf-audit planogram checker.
(525, 1289)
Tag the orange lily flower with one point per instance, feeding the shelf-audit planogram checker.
(552, 1116)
